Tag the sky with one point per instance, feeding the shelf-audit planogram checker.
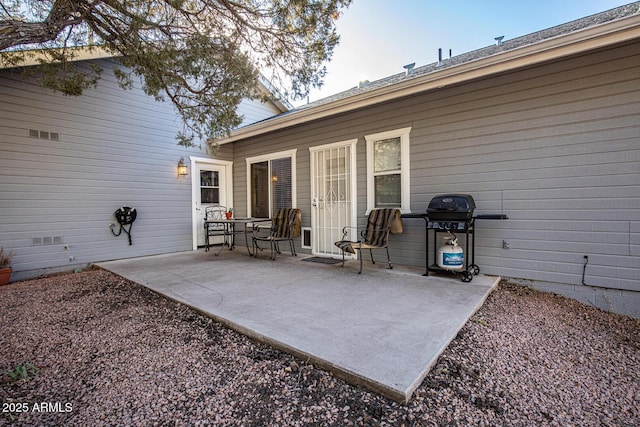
(379, 37)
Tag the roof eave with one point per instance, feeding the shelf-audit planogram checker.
(33, 57)
(81, 53)
(592, 38)
(271, 91)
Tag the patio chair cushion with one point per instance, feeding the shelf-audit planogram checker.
(397, 227)
(379, 223)
(285, 226)
(282, 227)
(346, 246)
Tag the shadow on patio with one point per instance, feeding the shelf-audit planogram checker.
(382, 329)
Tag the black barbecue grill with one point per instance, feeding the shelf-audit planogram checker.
(451, 208)
(453, 213)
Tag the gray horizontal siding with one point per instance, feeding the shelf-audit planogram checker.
(562, 159)
(116, 148)
(556, 147)
(254, 110)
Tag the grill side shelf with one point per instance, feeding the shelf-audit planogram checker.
(492, 216)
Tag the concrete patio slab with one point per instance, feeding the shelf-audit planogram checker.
(382, 329)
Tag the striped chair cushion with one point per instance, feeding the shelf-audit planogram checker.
(346, 246)
(378, 226)
(379, 223)
(286, 223)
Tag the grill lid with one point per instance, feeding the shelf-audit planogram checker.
(451, 207)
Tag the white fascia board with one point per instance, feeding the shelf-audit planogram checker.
(553, 48)
(270, 90)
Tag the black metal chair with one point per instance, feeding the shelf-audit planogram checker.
(380, 223)
(216, 229)
(285, 226)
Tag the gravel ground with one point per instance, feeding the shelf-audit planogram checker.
(110, 352)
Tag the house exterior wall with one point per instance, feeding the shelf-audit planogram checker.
(114, 148)
(556, 147)
(254, 110)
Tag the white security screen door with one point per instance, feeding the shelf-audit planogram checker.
(332, 195)
(210, 191)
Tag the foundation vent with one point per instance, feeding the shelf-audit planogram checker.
(46, 240)
(43, 134)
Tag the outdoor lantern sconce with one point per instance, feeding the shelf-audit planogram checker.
(182, 168)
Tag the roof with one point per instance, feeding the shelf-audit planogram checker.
(582, 35)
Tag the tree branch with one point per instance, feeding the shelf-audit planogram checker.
(202, 55)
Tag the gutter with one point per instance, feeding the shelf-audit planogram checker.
(591, 38)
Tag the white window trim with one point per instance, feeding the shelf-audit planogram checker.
(403, 134)
(269, 157)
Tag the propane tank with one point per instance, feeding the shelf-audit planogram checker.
(450, 255)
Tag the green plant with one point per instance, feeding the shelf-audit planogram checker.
(481, 322)
(5, 258)
(22, 372)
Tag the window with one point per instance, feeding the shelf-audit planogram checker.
(388, 170)
(209, 187)
(271, 183)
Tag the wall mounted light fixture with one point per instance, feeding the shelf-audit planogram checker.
(182, 167)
